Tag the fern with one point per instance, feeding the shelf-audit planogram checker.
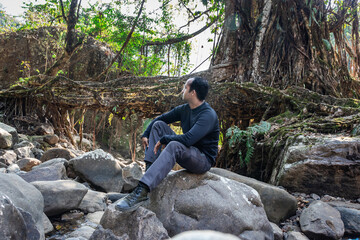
(238, 136)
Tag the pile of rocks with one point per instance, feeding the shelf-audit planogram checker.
(39, 189)
(327, 216)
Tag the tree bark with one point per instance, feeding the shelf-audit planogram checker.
(286, 40)
(255, 75)
(71, 40)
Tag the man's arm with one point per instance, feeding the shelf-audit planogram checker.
(201, 128)
(169, 117)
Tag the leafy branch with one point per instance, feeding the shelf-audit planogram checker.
(182, 38)
(125, 43)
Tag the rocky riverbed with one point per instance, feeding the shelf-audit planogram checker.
(50, 190)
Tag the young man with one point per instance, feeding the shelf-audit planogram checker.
(194, 150)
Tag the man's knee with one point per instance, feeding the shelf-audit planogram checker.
(173, 145)
(175, 148)
(158, 125)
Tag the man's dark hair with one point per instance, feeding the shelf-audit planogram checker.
(201, 86)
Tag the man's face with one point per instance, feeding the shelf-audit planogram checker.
(186, 90)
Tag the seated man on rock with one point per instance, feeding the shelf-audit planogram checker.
(194, 150)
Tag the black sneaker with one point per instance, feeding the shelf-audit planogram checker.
(133, 200)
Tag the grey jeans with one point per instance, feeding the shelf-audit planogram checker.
(189, 158)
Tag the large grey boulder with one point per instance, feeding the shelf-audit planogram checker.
(293, 235)
(60, 196)
(321, 221)
(27, 198)
(314, 164)
(52, 162)
(251, 234)
(99, 168)
(11, 130)
(106, 234)
(278, 203)
(48, 227)
(12, 224)
(57, 153)
(278, 233)
(351, 219)
(84, 231)
(6, 140)
(95, 217)
(185, 201)
(131, 174)
(51, 173)
(139, 224)
(93, 201)
(31, 229)
(204, 235)
(7, 157)
(337, 204)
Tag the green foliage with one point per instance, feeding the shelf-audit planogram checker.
(237, 136)
(47, 14)
(60, 72)
(7, 23)
(146, 124)
(111, 23)
(111, 116)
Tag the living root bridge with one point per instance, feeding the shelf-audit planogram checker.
(235, 103)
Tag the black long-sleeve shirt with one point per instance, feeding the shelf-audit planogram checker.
(200, 128)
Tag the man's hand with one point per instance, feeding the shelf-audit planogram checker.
(145, 142)
(157, 146)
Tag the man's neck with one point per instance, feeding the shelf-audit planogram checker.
(195, 104)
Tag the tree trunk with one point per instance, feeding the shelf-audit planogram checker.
(280, 44)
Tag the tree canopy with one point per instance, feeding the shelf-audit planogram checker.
(159, 45)
(323, 31)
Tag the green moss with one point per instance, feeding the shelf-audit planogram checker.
(339, 119)
(353, 103)
(279, 121)
(281, 117)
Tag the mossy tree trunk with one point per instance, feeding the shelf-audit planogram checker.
(289, 43)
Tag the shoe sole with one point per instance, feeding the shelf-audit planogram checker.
(133, 208)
